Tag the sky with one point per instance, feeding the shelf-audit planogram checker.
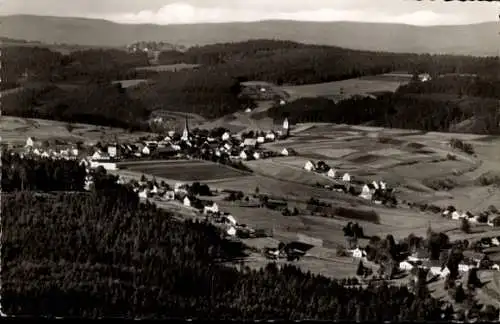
(426, 12)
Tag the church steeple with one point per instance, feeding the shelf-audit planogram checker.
(185, 133)
(286, 127)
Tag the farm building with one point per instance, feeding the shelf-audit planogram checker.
(144, 193)
(145, 150)
(249, 142)
(231, 231)
(112, 151)
(309, 166)
(186, 202)
(105, 164)
(367, 191)
(346, 177)
(261, 139)
(464, 267)
(30, 142)
(243, 155)
(270, 136)
(256, 155)
(439, 271)
(226, 136)
(331, 173)
(169, 195)
(211, 209)
(358, 253)
(406, 266)
(229, 219)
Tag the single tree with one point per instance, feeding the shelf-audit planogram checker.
(361, 269)
(465, 226)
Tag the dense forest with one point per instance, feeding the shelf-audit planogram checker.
(39, 174)
(81, 90)
(103, 253)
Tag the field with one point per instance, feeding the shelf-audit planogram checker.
(168, 68)
(339, 90)
(14, 130)
(184, 170)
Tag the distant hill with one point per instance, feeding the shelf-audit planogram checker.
(477, 39)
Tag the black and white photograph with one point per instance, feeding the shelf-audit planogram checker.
(250, 160)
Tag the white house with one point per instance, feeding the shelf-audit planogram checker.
(261, 139)
(105, 165)
(37, 151)
(74, 151)
(154, 190)
(143, 193)
(169, 195)
(112, 151)
(30, 142)
(495, 267)
(96, 156)
(248, 110)
(211, 209)
(84, 162)
(495, 242)
(270, 136)
(284, 152)
(186, 202)
(171, 133)
(456, 215)
(357, 253)
(309, 166)
(250, 142)
(226, 136)
(366, 193)
(282, 102)
(243, 155)
(231, 231)
(146, 150)
(464, 267)
(45, 154)
(256, 155)
(405, 265)
(375, 184)
(439, 271)
(230, 220)
(346, 177)
(424, 77)
(331, 173)
(228, 146)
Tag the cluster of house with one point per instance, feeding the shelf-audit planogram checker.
(67, 153)
(454, 214)
(420, 259)
(180, 192)
(376, 191)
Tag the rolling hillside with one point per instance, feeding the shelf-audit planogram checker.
(478, 39)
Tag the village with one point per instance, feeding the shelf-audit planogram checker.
(221, 146)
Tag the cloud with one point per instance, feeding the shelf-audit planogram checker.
(180, 13)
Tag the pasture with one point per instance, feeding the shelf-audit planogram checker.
(15, 130)
(168, 67)
(338, 90)
(185, 170)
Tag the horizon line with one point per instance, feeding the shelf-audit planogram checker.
(247, 21)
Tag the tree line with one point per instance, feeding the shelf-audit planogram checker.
(103, 253)
(399, 110)
(40, 174)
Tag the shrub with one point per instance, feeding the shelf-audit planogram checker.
(366, 215)
(489, 178)
(462, 146)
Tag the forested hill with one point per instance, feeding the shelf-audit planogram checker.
(77, 87)
(452, 103)
(104, 254)
(477, 39)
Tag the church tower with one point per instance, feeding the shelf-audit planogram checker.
(286, 127)
(185, 133)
